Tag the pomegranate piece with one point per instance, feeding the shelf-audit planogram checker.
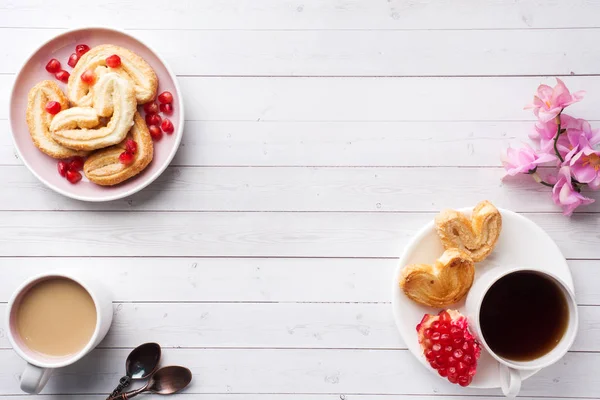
(62, 76)
(153, 119)
(167, 126)
(126, 157)
(165, 97)
(155, 132)
(151, 108)
(53, 107)
(131, 146)
(73, 176)
(76, 164)
(73, 59)
(62, 167)
(53, 66)
(113, 61)
(166, 108)
(449, 346)
(88, 77)
(81, 49)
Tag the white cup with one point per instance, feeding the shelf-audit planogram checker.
(509, 370)
(40, 366)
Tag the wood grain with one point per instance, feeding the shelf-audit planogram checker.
(303, 371)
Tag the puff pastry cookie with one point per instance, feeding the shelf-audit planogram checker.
(104, 168)
(442, 284)
(82, 128)
(476, 236)
(38, 119)
(133, 68)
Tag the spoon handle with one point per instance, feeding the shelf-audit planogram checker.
(128, 395)
(123, 383)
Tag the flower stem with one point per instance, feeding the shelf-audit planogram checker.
(538, 179)
(558, 133)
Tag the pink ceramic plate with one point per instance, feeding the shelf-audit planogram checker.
(44, 167)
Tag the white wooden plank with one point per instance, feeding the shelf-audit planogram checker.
(352, 52)
(283, 325)
(364, 99)
(246, 279)
(306, 14)
(296, 234)
(303, 371)
(300, 189)
(252, 143)
(287, 396)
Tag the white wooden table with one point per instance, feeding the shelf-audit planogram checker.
(321, 135)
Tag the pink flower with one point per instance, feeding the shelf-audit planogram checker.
(585, 163)
(524, 160)
(549, 102)
(576, 127)
(564, 195)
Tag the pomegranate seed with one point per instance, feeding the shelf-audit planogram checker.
(62, 168)
(448, 349)
(76, 164)
(445, 316)
(113, 61)
(435, 365)
(444, 328)
(73, 176)
(166, 108)
(466, 347)
(467, 359)
(441, 360)
(445, 338)
(443, 372)
(131, 146)
(435, 336)
(456, 332)
(165, 97)
(73, 59)
(436, 347)
(126, 157)
(167, 127)
(155, 132)
(457, 341)
(88, 76)
(435, 325)
(462, 368)
(430, 355)
(453, 378)
(151, 108)
(62, 76)
(153, 119)
(53, 107)
(464, 380)
(53, 66)
(451, 361)
(81, 49)
(458, 353)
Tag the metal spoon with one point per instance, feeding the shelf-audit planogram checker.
(167, 380)
(140, 364)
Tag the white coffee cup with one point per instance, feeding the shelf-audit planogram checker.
(39, 366)
(509, 370)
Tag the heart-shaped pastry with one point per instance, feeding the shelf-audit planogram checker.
(439, 285)
(133, 68)
(38, 119)
(477, 236)
(104, 167)
(81, 128)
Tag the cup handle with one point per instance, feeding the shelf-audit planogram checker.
(34, 378)
(510, 381)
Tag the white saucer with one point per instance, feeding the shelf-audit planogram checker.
(521, 242)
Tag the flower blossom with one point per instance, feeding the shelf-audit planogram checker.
(565, 195)
(549, 102)
(524, 160)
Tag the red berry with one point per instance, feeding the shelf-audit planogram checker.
(88, 76)
(113, 61)
(81, 49)
(165, 97)
(445, 338)
(131, 146)
(452, 377)
(430, 355)
(435, 336)
(53, 66)
(73, 176)
(456, 332)
(436, 347)
(76, 164)
(443, 372)
(53, 107)
(167, 126)
(62, 168)
(166, 108)
(151, 108)
(62, 76)
(464, 380)
(468, 359)
(126, 157)
(462, 368)
(155, 132)
(458, 353)
(73, 59)
(153, 119)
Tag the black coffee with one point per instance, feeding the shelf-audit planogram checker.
(523, 316)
